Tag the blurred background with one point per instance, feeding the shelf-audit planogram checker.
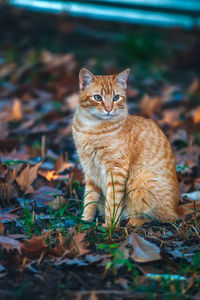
(152, 37)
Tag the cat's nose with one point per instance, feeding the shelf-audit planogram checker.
(108, 109)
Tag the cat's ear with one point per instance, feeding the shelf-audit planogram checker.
(122, 77)
(85, 78)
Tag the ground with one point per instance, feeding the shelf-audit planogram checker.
(46, 250)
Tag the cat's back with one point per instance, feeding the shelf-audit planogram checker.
(139, 127)
(147, 140)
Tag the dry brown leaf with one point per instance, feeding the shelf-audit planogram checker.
(51, 175)
(6, 69)
(45, 194)
(35, 244)
(16, 113)
(61, 164)
(171, 117)
(194, 87)
(150, 105)
(82, 245)
(180, 135)
(143, 250)
(9, 244)
(196, 116)
(188, 155)
(10, 176)
(8, 217)
(58, 202)
(1, 228)
(13, 154)
(183, 187)
(76, 174)
(76, 246)
(26, 178)
(55, 60)
(8, 191)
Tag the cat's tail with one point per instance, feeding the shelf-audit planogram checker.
(186, 209)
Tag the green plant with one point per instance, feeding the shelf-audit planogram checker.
(118, 258)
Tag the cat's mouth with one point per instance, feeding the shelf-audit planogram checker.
(107, 116)
(103, 116)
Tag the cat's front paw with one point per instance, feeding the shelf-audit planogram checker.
(106, 226)
(86, 218)
(134, 222)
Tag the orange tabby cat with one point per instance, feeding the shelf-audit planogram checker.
(125, 158)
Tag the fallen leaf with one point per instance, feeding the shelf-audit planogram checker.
(61, 164)
(9, 244)
(26, 178)
(180, 136)
(171, 95)
(45, 194)
(1, 228)
(35, 244)
(10, 176)
(122, 282)
(49, 175)
(7, 69)
(3, 271)
(16, 113)
(18, 236)
(58, 202)
(76, 174)
(171, 117)
(188, 154)
(196, 116)
(76, 245)
(194, 87)
(150, 105)
(143, 250)
(79, 242)
(72, 262)
(93, 259)
(8, 191)
(14, 155)
(183, 187)
(8, 217)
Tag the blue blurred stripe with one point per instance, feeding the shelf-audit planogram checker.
(111, 13)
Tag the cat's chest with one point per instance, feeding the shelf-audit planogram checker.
(94, 154)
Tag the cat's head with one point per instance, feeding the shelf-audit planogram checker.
(104, 97)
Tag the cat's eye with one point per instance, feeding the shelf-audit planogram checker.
(116, 98)
(98, 98)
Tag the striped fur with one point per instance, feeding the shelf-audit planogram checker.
(128, 152)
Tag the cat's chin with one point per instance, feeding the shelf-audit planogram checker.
(103, 116)
(107, 117)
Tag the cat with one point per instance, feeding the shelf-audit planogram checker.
(127, 160)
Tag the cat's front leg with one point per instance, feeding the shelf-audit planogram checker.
(91, 198)
(116, 181)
